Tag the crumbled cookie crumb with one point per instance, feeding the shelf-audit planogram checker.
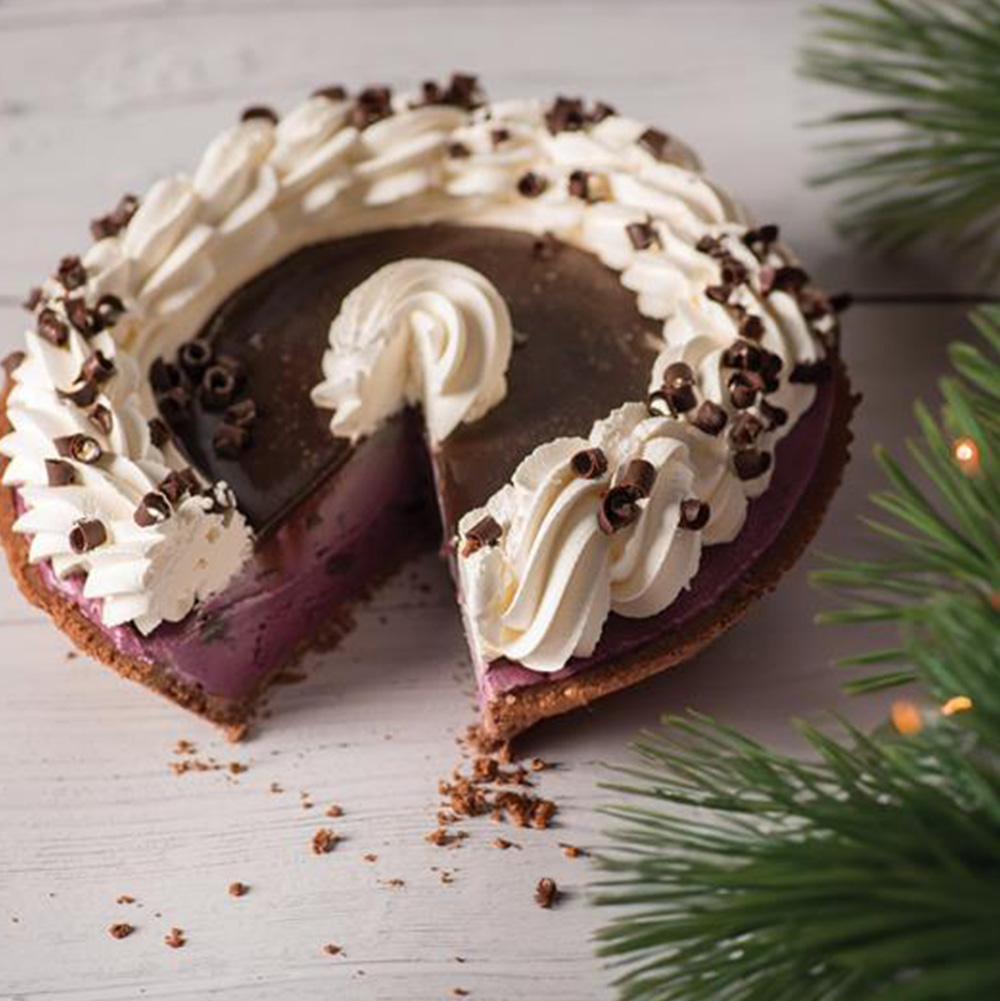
(120, 929)
(446, 876)
(503, 844)
(571, 851)
(275, 787)
(334, 811)
(460, 992)
(324, 841)
(238, 889)
(394, 883)
(124, 898)
(237, 767)
(370, 857)
(175, 938)
(332, 950)
(185, 747)
(546, 892)
(538, 765)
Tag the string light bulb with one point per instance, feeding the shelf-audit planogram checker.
(965, 451)
(906, 718)
(956, 704)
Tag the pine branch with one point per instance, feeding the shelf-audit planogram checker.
(871, 870)
(925, 153)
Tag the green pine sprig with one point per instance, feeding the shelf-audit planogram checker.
(924, 153)
(871, 870)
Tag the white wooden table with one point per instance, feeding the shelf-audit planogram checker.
(102, 96)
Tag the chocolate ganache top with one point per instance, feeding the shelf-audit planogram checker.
(581, 349)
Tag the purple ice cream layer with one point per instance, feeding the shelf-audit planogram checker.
(338, 541)
(796, 460)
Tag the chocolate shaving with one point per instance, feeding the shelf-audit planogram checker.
(710, 418)
(80, 315)
(787, 278)
(218, 386)
(335, 92)
(175, 405)
(655, 142)
(165, 375)
(678, 388)
(153, 509)
(102, 418)
(579, 184)
(751, 327)
(229, 440)
(546, 892)
(531, 185)
(694, 514)
(590, 463)
(176, 484)
(116, 220)
(759, 240)
(242, 414)
(643, 235)
(159, 433)
(372, 105)
(262, 111)
(96, 369)
(811, 372)
(87, 535)
(751, 463)
(599, 112)
(32, 299)
(485, 532)
(619, 509)
(743, 389)
(52, 329)
(60, 473)
(746, 430)
(108, 311)
(82, 396)
(195, 356)
(743, 355)
(775, 416)
(638, 476)
(81, 447)
(566, 114)
(71, 273)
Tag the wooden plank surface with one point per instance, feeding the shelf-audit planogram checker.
(99, 97)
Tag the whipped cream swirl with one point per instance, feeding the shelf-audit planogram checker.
(145, 570)
(542, 593)
(421, 331)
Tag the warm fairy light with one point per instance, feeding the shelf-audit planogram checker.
(957, 704)
(906, 718)
(966, 453)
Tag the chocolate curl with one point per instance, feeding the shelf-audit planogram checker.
(485, 532)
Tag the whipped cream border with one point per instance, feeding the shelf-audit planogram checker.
(265, 188)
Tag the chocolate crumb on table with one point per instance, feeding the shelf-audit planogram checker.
(332, 949)
(370, 857)
(503, 844)
(121, 929)
(124, 898)
(546, 892)
(238, 889)
(175, 938)
(460, 992)
(395, 883)
(334, 811)
(324, 841)
(571, 851)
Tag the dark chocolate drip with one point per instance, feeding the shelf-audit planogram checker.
(583, 349)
